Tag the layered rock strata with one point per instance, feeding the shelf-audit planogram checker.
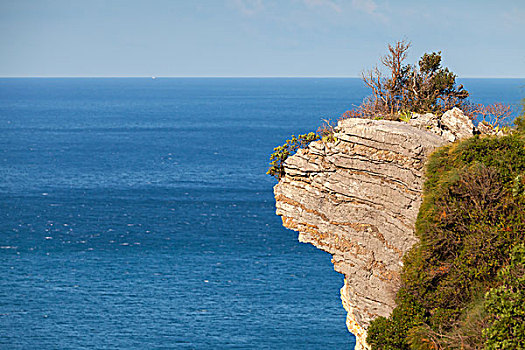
(358, 198)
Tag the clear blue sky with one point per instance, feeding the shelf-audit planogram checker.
(478, 38)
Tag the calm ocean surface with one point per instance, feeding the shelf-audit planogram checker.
(136, 214)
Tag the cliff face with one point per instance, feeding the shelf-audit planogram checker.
(357, 198)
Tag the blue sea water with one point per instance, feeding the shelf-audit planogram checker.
(136, 214)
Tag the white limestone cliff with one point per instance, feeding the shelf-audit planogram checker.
(358, 198)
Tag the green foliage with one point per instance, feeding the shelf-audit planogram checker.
(405, 116)
(506, 305)
(434, 87)
(518, 185)
(519, 122)
(390, 333)
(281, 153)
(473, 213)
(422, 87)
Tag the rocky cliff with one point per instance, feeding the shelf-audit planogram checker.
(358, 197)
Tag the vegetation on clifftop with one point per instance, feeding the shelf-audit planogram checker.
(400, 87)
(398, 90)
(290, 147)
(281, 153)
(463, 284)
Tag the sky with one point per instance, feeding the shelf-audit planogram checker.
(255, 38)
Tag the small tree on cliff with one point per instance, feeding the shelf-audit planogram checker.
(425, 87)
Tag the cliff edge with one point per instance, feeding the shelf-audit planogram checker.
(358, 197)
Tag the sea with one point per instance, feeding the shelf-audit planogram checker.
(135, 213)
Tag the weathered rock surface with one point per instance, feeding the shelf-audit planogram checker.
(452, 125)
(358, 198)
(457, 123)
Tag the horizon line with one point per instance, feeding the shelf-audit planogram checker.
(219, 77)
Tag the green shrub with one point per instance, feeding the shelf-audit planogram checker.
(391, 333)
(505, 304)
(281, 153)
(519, 122)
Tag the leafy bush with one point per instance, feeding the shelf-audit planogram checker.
(390, 333)
(281, 153)
(324, 133)
(505, 305)
(519, 122)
